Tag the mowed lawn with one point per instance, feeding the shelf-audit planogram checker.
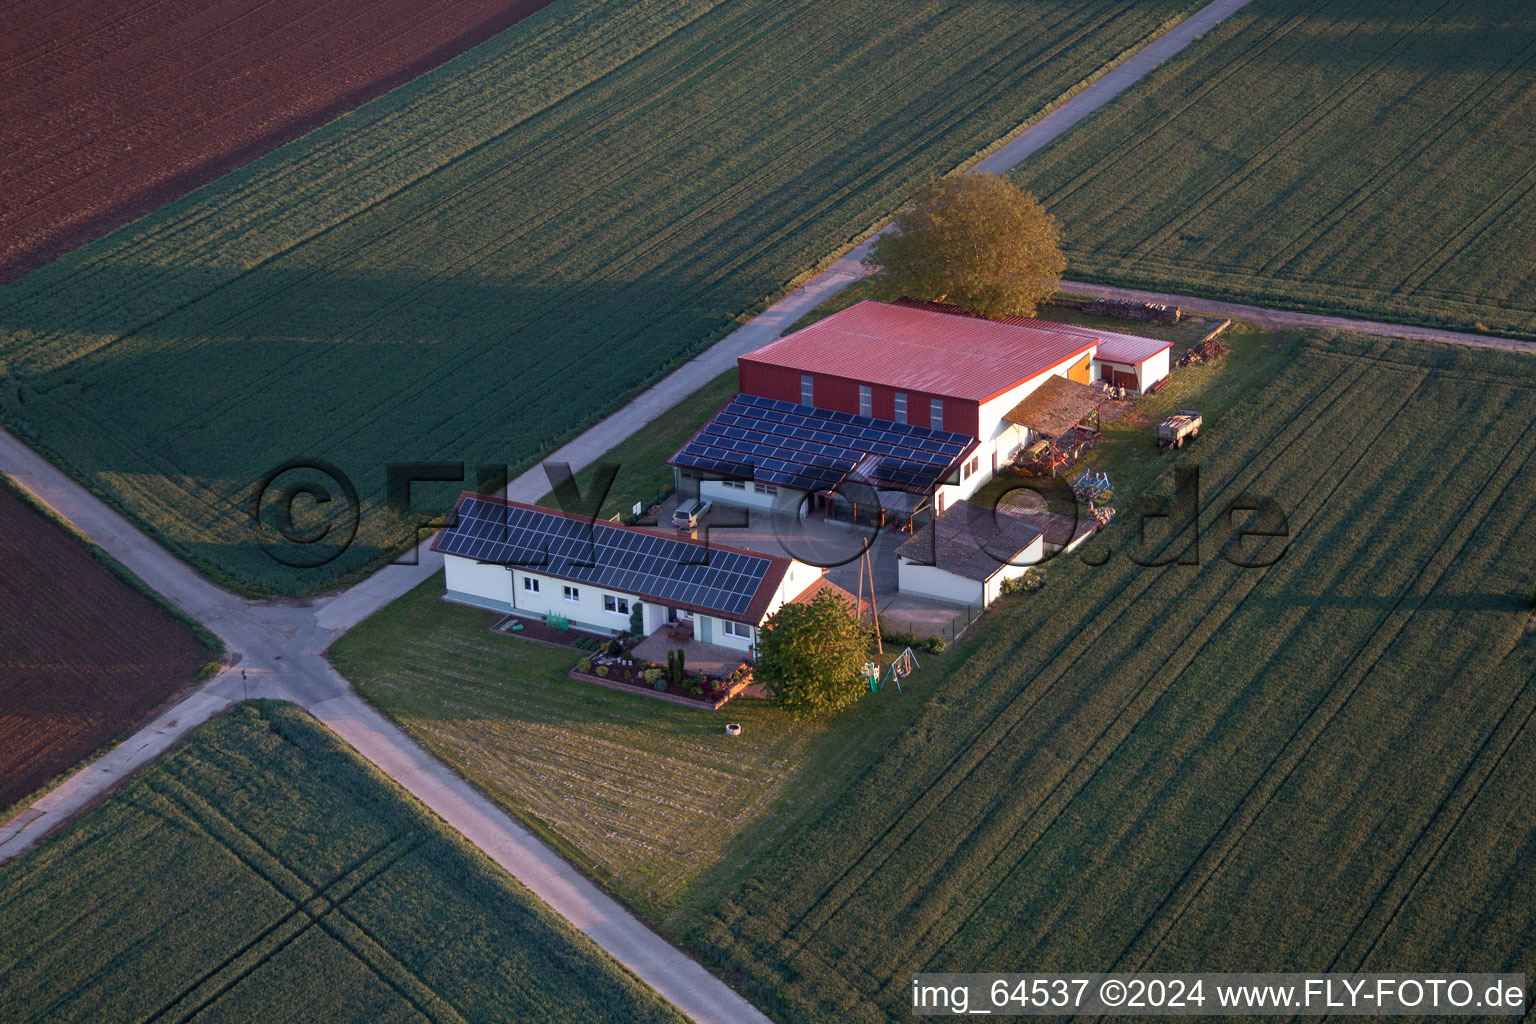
(480, 263)
(650, 798)
(263, 872)
(1347, 157)
(87, 653)
(1325, 764)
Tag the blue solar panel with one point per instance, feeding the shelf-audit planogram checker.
(604, 555)
(813, 449)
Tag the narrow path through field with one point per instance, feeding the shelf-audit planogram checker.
(1272, 319)
(278, 646)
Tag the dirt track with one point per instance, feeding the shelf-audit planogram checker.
(1271, 319)
(114, 107)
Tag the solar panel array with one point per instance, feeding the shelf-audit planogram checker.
(605, 556)
(809, 449)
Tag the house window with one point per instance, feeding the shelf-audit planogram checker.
(572, 593)
(807, 390)
(765, 488)
(740, 629)
(866, 401)
(530, 584)
(901, 407)
(617, 605)
(735, 485)
(936, 413)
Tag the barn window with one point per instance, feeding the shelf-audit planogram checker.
(901, 407)
(866, 401)
(807, 389)
(936, 413)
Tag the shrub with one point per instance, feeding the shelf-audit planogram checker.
(660, 684)
(934, 645)
(652, 676)
(1030, 581)
(602, 670)
(584, 665)
(637, 619)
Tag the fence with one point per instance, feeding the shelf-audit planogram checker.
(914, 632)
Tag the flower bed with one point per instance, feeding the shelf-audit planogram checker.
(625, 673)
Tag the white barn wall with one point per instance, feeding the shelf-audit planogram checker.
(1152, 370)
(931, 581)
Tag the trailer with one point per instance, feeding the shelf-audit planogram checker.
(1182, 426)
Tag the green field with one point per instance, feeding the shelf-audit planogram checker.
(1325, 764)
(650, 798)
(1319, 765)
(1346, 157)
(482, 262)
(263, 872)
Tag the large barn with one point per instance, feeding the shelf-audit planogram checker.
(907, 404)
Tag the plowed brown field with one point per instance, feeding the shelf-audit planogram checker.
(83, 655)
(112, 107)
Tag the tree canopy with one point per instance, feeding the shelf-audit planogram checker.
(975, 240)
(810, 656)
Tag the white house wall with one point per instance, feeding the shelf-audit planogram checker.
(501, 588)
(472, 582)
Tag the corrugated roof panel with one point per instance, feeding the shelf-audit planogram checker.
(920, 350)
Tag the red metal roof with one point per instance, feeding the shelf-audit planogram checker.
(1114, 347)
(922, 350)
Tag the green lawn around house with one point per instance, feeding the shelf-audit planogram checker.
(650, 798)
(262, 871)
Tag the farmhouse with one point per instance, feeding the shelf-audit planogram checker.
(906, 405)
(534, 561)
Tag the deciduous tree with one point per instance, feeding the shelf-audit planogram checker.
(809, 656)
(976, 240)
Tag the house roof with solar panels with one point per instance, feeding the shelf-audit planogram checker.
(525, 558)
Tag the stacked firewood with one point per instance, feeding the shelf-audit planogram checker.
(1208, 350)
(1126, 309)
